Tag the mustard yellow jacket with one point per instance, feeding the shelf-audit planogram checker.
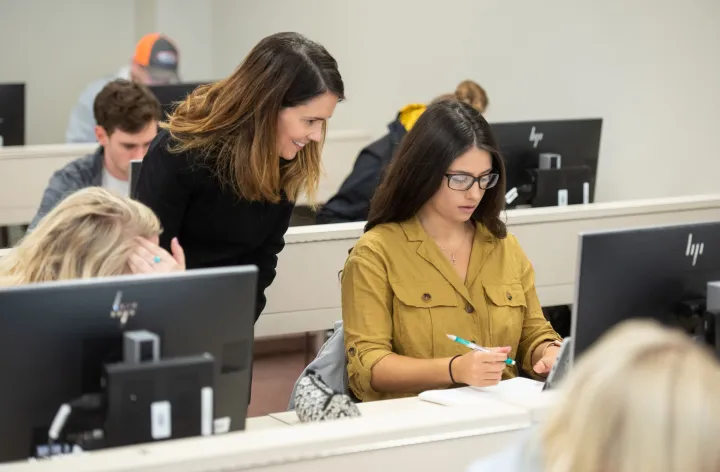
(401, 295)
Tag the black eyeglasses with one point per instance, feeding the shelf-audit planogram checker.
(463, 182)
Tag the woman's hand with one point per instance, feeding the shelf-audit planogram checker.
(149, 258)
(480, 369)
(546, 362)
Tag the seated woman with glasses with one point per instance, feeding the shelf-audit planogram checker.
(436, 260)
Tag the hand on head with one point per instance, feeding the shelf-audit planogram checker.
(481, 369)
(149, 258)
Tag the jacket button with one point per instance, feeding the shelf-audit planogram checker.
(509, 297)
(351, 351)
(426, 297)
(469, 308)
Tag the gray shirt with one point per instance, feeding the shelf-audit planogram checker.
(81, 126)
(115, 185)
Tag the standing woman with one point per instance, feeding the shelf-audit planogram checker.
(228, 165)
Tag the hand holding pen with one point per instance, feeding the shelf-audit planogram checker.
(481, 367)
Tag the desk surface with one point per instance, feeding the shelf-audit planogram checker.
(375, 409)
(536, 405)
(259, 423)
(393, 425)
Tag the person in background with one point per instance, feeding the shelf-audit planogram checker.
(127, 115)
(643, 399)
(436, 260)
(352, 200)
(92, 233)
(155, 62)
(231, 160)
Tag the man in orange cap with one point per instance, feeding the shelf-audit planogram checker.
(155, 62)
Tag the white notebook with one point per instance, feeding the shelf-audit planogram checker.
(517, 387)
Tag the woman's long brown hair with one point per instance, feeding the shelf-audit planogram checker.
(232, 123)
(444, 132)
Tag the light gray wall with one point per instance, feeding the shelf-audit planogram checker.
(58, 47)
(650, 68)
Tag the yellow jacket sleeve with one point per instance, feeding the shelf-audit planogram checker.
(536, 329)
(367, 317)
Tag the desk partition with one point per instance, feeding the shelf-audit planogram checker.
(306, 293)
(26, 170)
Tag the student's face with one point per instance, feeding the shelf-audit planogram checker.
(298, 126)
(459, 205)
(121, 147)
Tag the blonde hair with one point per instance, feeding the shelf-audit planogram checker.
(469, 92)
(643, 399)
(88, 234)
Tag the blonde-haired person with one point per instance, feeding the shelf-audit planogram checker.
(644, 399)
(226, 169)
(91, 233)
(352, 201)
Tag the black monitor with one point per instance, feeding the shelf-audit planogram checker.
(12, 114)
(58, 338)
(135, 168)
(659, 273)
(521, 143)
(168, 95)
(558, 187)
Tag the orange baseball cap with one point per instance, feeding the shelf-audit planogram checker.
(159, 56)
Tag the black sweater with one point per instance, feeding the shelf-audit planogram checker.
(215, 227)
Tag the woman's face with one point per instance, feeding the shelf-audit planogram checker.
(298, 126)
(459, 205)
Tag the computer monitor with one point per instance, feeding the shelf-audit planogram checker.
(659, 273)
(135, 167)
(521, 143)
(57, 337)
(564, 186)
(12, 114)
(168, 95)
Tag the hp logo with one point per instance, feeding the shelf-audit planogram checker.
(535, 137)
(694, 249)
(122, 311)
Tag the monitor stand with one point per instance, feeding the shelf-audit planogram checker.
(143, 399)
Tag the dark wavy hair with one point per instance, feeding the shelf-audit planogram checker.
(445, 131)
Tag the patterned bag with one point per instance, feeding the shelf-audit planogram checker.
(315, 401)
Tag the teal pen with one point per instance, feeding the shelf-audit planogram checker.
(475, 347)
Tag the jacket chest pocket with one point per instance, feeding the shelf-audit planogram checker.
(418, 310)
(506, 308)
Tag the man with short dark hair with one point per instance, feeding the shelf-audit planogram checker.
(127, 116)
(155, 62)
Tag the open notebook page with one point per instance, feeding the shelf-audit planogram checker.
(517, 387)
